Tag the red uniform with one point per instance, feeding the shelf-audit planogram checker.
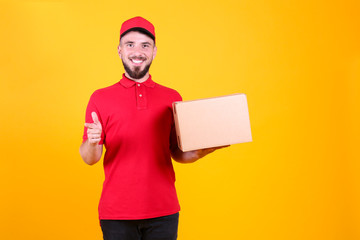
(138, 130)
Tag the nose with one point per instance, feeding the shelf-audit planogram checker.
(137, 52)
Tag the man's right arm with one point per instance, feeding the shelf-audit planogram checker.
(91, 150)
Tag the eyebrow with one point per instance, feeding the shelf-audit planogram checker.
(134, 42)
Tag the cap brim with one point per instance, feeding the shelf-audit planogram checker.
(139, 29)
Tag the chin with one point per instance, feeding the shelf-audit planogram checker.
(136, 72)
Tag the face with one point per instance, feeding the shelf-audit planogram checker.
(137, 50)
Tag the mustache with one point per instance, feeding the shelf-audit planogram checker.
(138, 58)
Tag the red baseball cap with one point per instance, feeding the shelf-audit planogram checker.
(138, 24)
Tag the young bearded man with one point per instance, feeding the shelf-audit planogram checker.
(133, 120)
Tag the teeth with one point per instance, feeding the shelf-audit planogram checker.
(137, 61)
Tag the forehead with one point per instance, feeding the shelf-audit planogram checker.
(135, 36)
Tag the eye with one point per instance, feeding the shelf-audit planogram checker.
(129, 45)
(146, 45)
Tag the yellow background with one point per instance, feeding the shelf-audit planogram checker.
(297, 61)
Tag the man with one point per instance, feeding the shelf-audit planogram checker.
(133, 119)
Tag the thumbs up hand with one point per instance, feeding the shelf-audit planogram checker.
(94, 129)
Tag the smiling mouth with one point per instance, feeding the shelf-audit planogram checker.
(137, 61)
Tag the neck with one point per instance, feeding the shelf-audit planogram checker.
(140, 80)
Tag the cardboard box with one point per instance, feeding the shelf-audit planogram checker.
(212, 122)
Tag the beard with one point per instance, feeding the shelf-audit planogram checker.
(137, 73)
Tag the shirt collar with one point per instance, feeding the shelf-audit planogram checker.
(126, 82)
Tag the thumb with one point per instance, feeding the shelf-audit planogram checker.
(95, 117)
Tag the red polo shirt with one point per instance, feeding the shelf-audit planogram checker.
(137, 123)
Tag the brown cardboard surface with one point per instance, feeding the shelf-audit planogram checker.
(212, 122)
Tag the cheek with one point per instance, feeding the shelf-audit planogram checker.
(150, 55)
(123, 55)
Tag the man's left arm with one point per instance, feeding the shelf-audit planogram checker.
(191, 156)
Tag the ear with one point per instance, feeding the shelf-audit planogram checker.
(119, 50)
(155, 51)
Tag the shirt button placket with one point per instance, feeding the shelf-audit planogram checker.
(140, 96)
